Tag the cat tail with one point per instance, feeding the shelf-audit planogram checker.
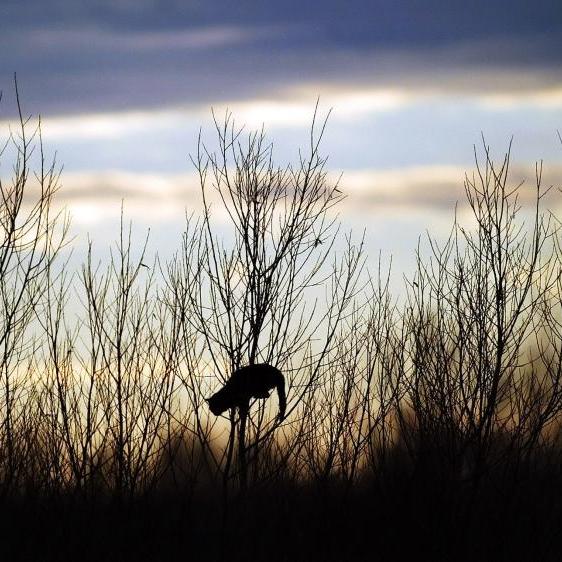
(282, 397)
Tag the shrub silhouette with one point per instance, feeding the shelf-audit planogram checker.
(421, 428)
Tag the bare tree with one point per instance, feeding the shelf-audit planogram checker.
(254, 296)
(31, 237)
(474, 309)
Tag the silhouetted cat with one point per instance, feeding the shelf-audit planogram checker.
(252, 381)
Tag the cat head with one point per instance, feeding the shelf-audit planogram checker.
(218, 403)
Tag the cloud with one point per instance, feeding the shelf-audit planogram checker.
(290, 108)
(144, 41)
(117, 185)
(294, 109)
(541, 98)
(113, 58)
(435, 189)
(92, 196)
(110, 125)
(354, 23)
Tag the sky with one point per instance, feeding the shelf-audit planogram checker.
(124, 86)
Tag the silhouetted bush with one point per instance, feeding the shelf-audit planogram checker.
(427, 427)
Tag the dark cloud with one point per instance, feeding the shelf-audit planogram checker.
(106, 55)
(372, 22)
